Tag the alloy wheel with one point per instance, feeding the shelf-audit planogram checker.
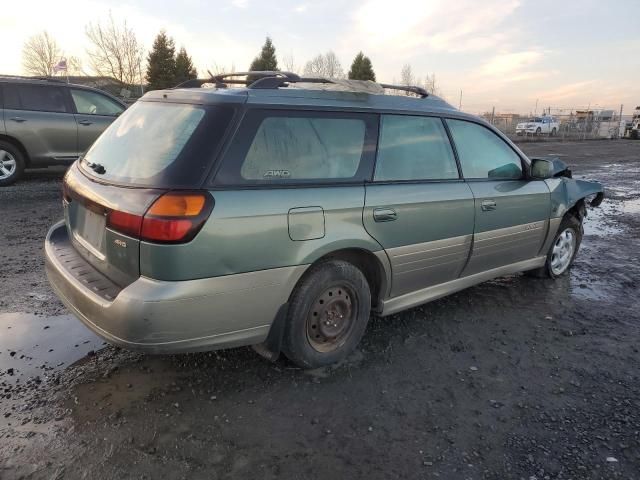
(8, 164)
(563, 250)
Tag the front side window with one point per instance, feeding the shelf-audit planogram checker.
(276, 147)
(42, 98)
(92, 103)
(482, 153)
(414, 148)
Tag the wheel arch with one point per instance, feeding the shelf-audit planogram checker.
(16, 143)
(374, 265)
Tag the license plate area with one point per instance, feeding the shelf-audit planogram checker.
(88, 228)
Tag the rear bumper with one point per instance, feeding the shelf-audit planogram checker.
(170, 317)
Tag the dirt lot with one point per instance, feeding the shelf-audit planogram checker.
(517, 378)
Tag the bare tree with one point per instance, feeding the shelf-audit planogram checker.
(115, 51)
(406, 76)
(219, 69)
(74, 66)
(431, 86)
(289, 63)
(327, 66)
(39, 53)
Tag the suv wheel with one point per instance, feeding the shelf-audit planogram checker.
(538, 131)
(563, 249)
(328, 314)
(553, 132)
(11, 164)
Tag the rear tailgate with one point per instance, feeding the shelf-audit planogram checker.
(86, 205)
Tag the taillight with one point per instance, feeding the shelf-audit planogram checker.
(123, 222)
(175, 217)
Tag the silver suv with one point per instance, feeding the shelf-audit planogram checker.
(47, 122)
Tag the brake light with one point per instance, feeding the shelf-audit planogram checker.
(126, 223)
(174, 217)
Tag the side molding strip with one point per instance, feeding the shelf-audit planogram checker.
(397, 304)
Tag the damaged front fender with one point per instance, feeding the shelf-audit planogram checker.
(567, 192)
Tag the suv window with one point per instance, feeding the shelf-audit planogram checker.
(92, 103)
(159, 144)
(296, 146)
(414, 148)
(42, 98)
(482, 153)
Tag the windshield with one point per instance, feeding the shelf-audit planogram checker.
(158, 144)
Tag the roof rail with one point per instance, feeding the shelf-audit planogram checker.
(40, 78)
(275, 79)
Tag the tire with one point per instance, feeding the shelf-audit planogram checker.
(332, 291)
(11, 163)
(569, 224)
(553, 132)
(538, 131)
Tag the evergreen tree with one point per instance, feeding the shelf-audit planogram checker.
(267, 58)
(161, 63)
(184, 67)
(361, 69)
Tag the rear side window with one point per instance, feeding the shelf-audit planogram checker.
(159, 144)
(38, 98)
(414, 148)
(482, 153)
(285, 147)
(11, 98)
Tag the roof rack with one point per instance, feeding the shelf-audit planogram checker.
(275, 79)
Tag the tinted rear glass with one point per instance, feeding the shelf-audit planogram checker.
(159, 144)
(300, 147)
(42, 98)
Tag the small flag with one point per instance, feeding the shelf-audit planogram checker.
(61, 66)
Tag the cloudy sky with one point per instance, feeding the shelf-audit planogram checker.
(502, 53)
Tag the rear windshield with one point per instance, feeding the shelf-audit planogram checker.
(159, 144)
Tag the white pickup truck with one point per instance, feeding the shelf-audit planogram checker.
(538, 126)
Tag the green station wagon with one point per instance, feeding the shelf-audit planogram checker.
(284, 213)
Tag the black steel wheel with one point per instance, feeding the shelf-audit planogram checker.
(328, 314)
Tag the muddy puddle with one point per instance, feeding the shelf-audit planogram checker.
(32, 346)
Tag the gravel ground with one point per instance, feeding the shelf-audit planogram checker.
(516, 378)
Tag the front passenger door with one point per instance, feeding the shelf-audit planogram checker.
(417, 207)
(511, 212)
(94, 113)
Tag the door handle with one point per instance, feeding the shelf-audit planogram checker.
(18, 119)
(488, 205)
(384, 214)
(85, 122)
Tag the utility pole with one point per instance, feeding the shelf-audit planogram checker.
(460, 103)
(535, 110)
(493, 114)
(620, 122)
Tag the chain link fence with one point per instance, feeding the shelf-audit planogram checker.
(564, 124)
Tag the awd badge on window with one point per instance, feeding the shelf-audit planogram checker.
(277, 174)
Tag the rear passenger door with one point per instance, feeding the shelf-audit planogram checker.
(40, 117)
(417, 207)
(511, 211)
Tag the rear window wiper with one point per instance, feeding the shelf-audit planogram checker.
(96, 167)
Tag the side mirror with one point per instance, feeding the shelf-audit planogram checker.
(543, 168)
